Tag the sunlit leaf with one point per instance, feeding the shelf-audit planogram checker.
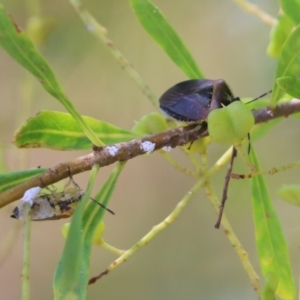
(288, 64)
(268, 291)
(279, 33)
(290, 85)
(155, 23)
(59, 131)
(290, 194)
(271, 245)
(12, 179)
(71, 275)
(291, 9)
(21, 48)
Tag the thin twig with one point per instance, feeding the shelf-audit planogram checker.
(225, 189)
(255, 10)
(167, 221)
(266, 172)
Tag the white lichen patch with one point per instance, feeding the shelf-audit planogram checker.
(112, 150)
(147, 146)
(30, 194)
(167, 148)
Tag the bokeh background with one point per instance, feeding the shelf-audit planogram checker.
(190, 259)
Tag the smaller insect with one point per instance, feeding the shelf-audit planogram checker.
(53, 206)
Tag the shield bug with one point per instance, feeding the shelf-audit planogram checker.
(193, 100)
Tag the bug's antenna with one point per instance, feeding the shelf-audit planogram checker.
(103, 206)
(265, 94)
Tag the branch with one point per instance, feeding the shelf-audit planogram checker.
(124, 151)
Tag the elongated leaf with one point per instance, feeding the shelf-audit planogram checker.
(20, 47)
(59, 131)
(94, 213)
(155, 23)
(279, 33)
(290, 194)
(71, 276)
(291, 9)
(12, 179)
(290, 85)
(288, 63)
(271, 245)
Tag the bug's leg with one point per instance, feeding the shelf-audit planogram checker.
(249, 143)
(52, 191)
(71, 180)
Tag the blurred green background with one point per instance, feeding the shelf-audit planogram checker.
(190, 259)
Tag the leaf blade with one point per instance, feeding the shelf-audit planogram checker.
(59, 131)
(157, 26)
(271, 245)
(21, 48)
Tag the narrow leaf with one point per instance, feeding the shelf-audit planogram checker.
(290, 85)
(71, 275)
(12, 179)
(20, 47)
(279, 33)
(155, 23)
(291, 9)
(59, 131)
(271, 245)
(288, 63)
(290, 194)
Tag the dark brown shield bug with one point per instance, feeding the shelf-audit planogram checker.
(193, 100)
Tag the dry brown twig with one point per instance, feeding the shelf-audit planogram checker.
(124, 151)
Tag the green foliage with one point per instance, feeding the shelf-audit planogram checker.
(270, 241)
(290, 194)
(279, 33)
(288, 67)
(268, 292)
(291, 8)
(12, 179)
(20, 47)
(71, 275)
(155, 23)
(60, 131)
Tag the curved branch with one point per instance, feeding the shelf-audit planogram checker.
(124, 151)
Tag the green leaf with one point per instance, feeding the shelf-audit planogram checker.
(12, 179)
(155, 23)
(278, 35)
(292, 9)
(290, 194)
(71, 275)
(20, 47)
(268, 291)
(150, 124)
(290, 85)
(288, 63)
(59, 131)
(94, 213)
(271, 245)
